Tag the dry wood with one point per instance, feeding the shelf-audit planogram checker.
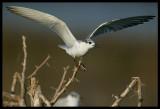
(135, 80)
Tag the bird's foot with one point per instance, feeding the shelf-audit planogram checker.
(83, 67)
(80, 64)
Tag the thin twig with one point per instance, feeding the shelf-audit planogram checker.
(24, 64)
(44, 100)
(118, 99)
(62, 81)
(21, 77)
(17, 76)
(34, 73)
(135, 80)
(67, 84)
(41, 97)
(13, 86)
(36, 96)
(139, 91)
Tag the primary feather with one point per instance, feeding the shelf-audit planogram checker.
(50, 21)
(119, 24)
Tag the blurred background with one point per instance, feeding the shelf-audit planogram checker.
(122, 55)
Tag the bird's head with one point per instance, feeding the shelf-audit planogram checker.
(90, 43)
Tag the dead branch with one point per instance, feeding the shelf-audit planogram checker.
(36, 95)
(139, 91)
(34, 90)
(10, 96)
(13, 86)
(75, 70)
(23, 72)
(20, 98)
(10, 104)
(62, 81)
(41, 96)
(135, 80)
(34, 73)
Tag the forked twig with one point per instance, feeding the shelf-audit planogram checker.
(75, 70)
(21, 76)
(62, 81)
(36, 95)
(135, 80)
(34, 90)
(35, 71)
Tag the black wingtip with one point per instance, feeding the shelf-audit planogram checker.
(150, 16)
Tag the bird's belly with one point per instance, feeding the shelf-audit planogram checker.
(78, 52)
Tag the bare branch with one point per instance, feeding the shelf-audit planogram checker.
(54, 99)
(135, 80)
(14, 82)
(11, 96)
(10, 104)
(118, 99)
(44, 100)
(34, 73)
(31, 98)
(24, 64)
(36, 95)
(139, 91)
(34, 90)
(62, 81)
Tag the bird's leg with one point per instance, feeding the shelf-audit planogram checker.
(82, 65)
(76, 62)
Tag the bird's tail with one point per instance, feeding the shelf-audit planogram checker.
(63, 46)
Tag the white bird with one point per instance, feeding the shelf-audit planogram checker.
(74, 47)
(72, 99)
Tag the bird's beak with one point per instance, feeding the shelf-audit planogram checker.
(97, 46)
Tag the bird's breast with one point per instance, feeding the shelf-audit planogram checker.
(77, 51)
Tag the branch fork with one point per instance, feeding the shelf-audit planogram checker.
(37, 98)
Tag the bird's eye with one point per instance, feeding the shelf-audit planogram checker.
(90, 42)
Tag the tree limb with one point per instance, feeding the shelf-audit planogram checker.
(75, 70)
(135, 80)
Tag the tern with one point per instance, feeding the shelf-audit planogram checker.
(72, 46)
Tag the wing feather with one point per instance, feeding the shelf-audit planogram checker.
(119, 24)
(50, 21)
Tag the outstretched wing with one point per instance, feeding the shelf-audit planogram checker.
(119, 24)
(52, 22)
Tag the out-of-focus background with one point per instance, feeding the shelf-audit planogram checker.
(122, 55)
